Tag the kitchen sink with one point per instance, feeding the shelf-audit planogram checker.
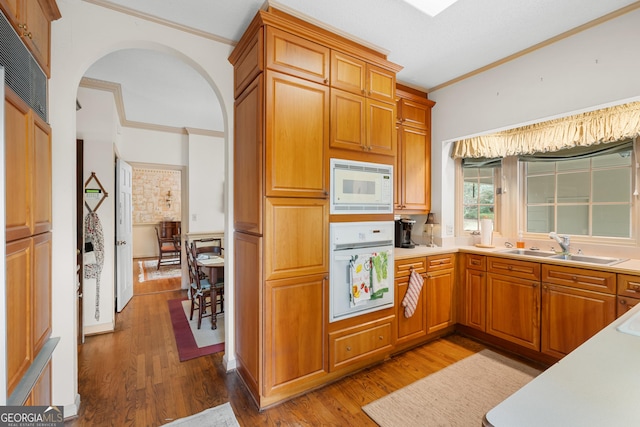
(527, 252)
(600, 260)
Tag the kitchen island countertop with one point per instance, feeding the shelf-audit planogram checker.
(597, 384)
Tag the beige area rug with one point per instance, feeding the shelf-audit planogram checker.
(204, 336)
(220, 416)
(149, 271)
(458, 395)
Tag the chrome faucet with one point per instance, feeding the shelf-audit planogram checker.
(563, 241)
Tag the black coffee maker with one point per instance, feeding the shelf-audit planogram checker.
(403, 233)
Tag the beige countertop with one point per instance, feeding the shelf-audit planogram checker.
(630, 266)
(597, 384)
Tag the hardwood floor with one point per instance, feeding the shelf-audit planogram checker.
(153, 286)
(132, 377)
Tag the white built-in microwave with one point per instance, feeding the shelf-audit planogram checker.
(361, 187)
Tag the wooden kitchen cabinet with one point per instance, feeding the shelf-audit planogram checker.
(474, 292)
(628, 293)
(28, 169)
(32, 21)
(439, 292)
(295, 333)
(625, 304)
(513, 301)
(413, 160)
(41, 393)
(297, 133)
(354, 345)
(361, 78)
(415, 327)
(282, 87)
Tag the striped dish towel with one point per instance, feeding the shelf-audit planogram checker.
(410, 300)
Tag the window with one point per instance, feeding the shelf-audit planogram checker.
(585, 195)
(479, 193)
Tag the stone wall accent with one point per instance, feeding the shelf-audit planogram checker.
(151, 189)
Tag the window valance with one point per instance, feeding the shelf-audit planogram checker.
(595, 127)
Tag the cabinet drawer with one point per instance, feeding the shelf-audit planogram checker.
(355, 344)
(440, 262)
(629, 285)
(405, 266)
(514, 268)
(592, 280)
(625, 304)
(475, 262)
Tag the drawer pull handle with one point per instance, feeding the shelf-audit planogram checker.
(636, 288)
(574, 278)
(380, 337)
(348, 348)
(510, 268)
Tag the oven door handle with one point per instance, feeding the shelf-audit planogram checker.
(350, 246)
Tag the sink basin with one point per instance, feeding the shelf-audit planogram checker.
(527, 252)
(600, 260)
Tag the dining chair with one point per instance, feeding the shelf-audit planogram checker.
(208, 247)
(201, 292)
(168, 252)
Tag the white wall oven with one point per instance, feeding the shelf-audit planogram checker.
(361, 187)
(361, 268)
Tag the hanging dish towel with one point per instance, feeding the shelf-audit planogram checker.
(410, 300)
(93, 233)
(379, 274)
(360, 266)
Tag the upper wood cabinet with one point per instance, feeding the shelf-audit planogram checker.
(297, 132)
(28, 170)
(32, 21)
(297, 56)
(362, 78)
(413, 161)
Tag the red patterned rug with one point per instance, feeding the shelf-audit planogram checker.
(190, 341)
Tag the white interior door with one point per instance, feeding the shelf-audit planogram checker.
(124, 236)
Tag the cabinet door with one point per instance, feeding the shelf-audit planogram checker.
(348, 73)
(381, 84)
(439, 294)
(415, 169)
(41, 176)
(572, 316)
(248, 284)
(414, 114)
(248, 151)
(296, 237)
(41, 290)
(36, 35)
(513, 310)
(625, 304)
(348, 124)
(381, 127)
(297, 56)
(295, 337)
(297, 137)
(18, 161)
(416, 325)
(475, 299)
(12, 9)
(19, 321)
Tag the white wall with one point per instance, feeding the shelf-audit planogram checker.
(590, 69)
(206, 181)
(84, 34)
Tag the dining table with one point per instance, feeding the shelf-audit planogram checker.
(215, 264)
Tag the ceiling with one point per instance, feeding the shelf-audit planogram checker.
(434, 51)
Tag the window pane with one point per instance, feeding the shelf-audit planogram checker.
(540, 167)
(470, 193)
(470, 218)
(540, 189)
(611, 221)
(573, 187)
(612, 185)
(470, 172)
(485, 172)
(486, 193)
(540, 219)
(615, 159)
(573, 220)
(571, 165)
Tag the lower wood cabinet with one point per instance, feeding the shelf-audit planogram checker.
(513, 309)
(295, 335)
(350, 346)
(438, 290)
(625, 304)
(571, 316)
(414, 327)
(474, 292)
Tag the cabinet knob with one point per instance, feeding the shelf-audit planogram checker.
(535, 285)
(623, 302)
(326, 81)
(574, 278)
(380, 337)
(348, 348)
(636, 288)
(22, 26)
(510, 268)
